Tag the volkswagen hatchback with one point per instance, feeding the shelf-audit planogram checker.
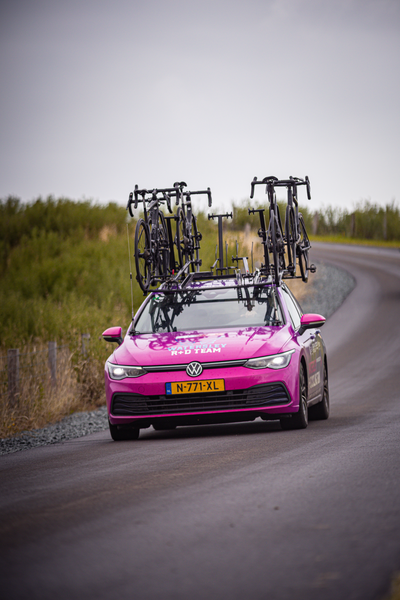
(217, 351)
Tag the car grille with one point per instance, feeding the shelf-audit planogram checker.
(254, 397)
(220, 364)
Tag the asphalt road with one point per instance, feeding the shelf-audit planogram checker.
(235, 511)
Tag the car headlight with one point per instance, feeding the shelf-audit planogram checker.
(275, 361)
(122, 371)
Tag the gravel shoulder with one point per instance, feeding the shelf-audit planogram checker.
(73, 426)
(325, 292)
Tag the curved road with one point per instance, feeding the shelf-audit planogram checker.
(233, 511)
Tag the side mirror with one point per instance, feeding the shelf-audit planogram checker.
(310, 321)
(113, 334)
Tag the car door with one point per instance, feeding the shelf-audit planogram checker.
(312, 342)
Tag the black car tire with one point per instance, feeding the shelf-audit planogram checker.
(320, 411)
(298, 420)
(120, 434)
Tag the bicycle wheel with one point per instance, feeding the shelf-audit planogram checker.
(179, 237)
(290, 234)
(142, 255)
(187, 240)
(159, 237)
(263, 234)
(280, 241)
(195, 240)
(274, 249)
(302, 249)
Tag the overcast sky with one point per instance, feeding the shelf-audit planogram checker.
(99, 95)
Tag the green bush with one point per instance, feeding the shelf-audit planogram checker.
(366, 222)
(63, 218)
(65, 271)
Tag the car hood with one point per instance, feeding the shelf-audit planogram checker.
(203, 346)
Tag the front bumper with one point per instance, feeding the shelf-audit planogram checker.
(248, 394)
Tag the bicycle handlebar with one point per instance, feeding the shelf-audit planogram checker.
(198, 192)
(308, 188)
(275, 182)
(297, 181)
(134, 196)
(176, 190)
(267, 180)
(132, 201)
(179, 185)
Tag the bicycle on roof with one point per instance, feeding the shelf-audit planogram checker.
(272, 237)
(297, 242)
(292, 244)
(152, 243)
(156, 246)
(187, 235)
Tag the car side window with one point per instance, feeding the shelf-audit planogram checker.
(293, 308)
(295, 302)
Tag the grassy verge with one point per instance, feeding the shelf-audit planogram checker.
(342, 239)
(79, 387)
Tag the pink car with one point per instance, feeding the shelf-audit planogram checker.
(217, 351)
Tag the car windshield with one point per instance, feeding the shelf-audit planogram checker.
(208, 308)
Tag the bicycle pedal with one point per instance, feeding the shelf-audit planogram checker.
(313, 269)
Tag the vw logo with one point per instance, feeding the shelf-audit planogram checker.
(194, 369)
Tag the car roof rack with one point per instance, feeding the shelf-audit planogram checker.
(284, 249)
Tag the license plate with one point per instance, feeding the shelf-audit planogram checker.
(195, 387)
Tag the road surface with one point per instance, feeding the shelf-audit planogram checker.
(229, 511)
